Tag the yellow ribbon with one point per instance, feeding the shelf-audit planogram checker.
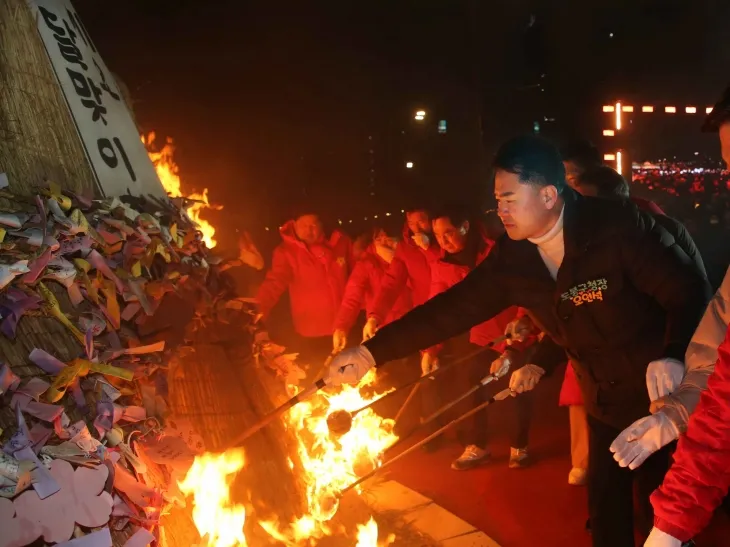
(52, 307)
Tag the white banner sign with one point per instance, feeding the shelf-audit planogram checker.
(107, 130)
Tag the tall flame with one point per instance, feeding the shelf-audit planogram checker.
(215, 517)
(168, 172)
(331, 464)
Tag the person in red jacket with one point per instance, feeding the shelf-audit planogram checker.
(464, 245)
(699, 479)
(409, 268)
(314, 269)
(364, 282)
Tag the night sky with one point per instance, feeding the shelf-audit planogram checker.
(268, 99)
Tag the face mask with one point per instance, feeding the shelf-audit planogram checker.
(386, 253)
(421, 240)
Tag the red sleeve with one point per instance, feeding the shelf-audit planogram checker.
(392, 285)
(700, 476)
(352, 301)
(275, 283)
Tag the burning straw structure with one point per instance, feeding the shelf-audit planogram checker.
(38, 139)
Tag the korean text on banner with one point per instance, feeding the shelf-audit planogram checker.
(108, 132)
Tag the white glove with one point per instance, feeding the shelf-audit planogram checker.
(657, 538)
(519, 329)
(349, 366)
(642, 438)
(663, 376)
(339, 340)
(370, 328)
(500, 366)
(429, 364)
(525, 378)
(421, 240)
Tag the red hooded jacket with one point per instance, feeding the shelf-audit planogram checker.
(410, 267)
(700, 477)
(315, 277)
(362, 287)
(445, 274)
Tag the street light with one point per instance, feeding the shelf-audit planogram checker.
(420, 115)
(409, 165)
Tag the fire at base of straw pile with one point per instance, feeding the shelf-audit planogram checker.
(327, 465)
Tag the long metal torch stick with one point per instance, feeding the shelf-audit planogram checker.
(273, 415)
(435, 374)
(483, 382)
(497, 397)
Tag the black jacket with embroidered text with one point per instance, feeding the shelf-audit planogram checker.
(626, 294)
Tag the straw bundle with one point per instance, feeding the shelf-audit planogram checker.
(38, 138)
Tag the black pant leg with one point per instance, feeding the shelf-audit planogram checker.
(610, 492)
(521, 433)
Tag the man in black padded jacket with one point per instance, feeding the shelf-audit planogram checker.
(604, 280)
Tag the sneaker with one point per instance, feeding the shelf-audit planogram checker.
(472, 456)
(518, 458)
(577, 476)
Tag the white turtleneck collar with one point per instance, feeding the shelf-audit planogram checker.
(552, 246)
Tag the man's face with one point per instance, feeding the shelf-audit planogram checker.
(725, 143)
(452, 239)
(309, 229)
(572, 173)
(418, 222)
(526, 210)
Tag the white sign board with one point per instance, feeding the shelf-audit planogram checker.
(108, 132)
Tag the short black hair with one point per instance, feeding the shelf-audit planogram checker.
(418, 204)
(581, 152)
(456, 213)
(607, 181)
(719, 115)
(534, 159)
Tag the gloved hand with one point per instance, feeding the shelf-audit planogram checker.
(642, 438)
(657, 538)
(349, 366)
(429, 364)
(339, 340)
(500, 366)
(519, 329)
(525, 378)
(421, 240)
(370, 328)
(663, 376)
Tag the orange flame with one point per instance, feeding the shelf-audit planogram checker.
(331, 464)
(167, 170)
(215, 517)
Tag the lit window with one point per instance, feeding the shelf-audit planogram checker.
(647, 109)
(670, 109)
(627, 108)
(691, 110)
(609, 157)
(409, 165)
(708, 110)
(608, 133)
(442, 126)
(608, 108)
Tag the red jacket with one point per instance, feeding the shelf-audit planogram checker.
(315, 277)
(362, 287)
(700, 477)
(446, 274)
(570, 393)
(410, 267)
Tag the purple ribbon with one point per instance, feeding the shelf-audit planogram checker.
(13, 307)
(9, 381)
(46, 361)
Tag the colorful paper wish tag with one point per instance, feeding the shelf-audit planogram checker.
(9, 381)
(53, 308)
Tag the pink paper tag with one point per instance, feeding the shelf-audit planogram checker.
(141, 538)
(101, 538)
